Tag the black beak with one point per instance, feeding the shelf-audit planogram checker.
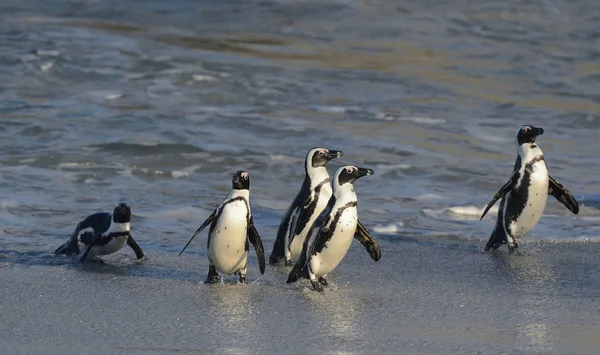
(332, 154)
(364, 172)
(538, 131)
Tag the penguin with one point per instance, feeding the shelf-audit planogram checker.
(231, 227)
(524, 195)
(310, 201)
(101, 234)
(332, 233)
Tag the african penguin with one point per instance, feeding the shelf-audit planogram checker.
(231, 226)
(310, 201)
(332, 233)
(101, 234)
(524, 195)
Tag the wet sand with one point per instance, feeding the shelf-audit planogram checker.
(425, 297)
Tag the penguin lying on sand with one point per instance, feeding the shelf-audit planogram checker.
(331, 235)
(524, 195)
(231, 227)
(101, 234)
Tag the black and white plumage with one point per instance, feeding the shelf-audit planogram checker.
(331, 235)
(304, 210)
(231, 227)
(524, 195)
(101, 234)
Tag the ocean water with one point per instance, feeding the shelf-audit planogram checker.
(157, 103)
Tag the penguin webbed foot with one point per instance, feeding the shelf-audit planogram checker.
(213, 276)
(514, 248)
(323, 281)
(242, 279)
(94, 260)
(287, 262)
(317, 285)
(211, 279)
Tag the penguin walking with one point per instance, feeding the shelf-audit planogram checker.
(231, 227)
(332, 233)
(524, 195)
(304, 210)
(101, 234)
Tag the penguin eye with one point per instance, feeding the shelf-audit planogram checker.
(349, 170)
(526, 129)
(321, 152)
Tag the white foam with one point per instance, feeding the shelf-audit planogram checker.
(179, 174)
(391, 228)
(27, 161)
(48, 53)
(424, 120)
(46, 66)
(114, 96)
(4, 204)
(460, 212)
(330, 109)
(471, 211)
(206, 78)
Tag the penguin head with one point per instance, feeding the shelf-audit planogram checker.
(527, 134)
(121, 213)
(350, 173)
(241, 180)
(321, 156)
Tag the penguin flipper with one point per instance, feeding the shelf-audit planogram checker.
(498, 236)
(366, 239)
(135, 247)
(68, 248)
(88, 248)
(300, 270)
(278, 252)
(257, 244)
(496, 240)
(71, 247)
(206, 223)
(503, 191)
(563, 195)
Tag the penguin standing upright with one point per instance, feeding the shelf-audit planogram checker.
(101, 234)
(310, 201)
(524, 195)
(331, 235)
(231, 226)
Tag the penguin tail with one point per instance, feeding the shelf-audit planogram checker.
(299, 271)
(496, 240)
(69, 248)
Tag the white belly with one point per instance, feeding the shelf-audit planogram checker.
(113, 246)
(227, 249)
(336, 248)
(536, 202)
(298, 242)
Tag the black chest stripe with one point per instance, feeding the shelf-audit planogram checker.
(214, 222)
(328, 228)
(519, 196)
(309, 210)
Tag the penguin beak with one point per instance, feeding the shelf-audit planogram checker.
(332, 154)
(364, 172)
(538, 131)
